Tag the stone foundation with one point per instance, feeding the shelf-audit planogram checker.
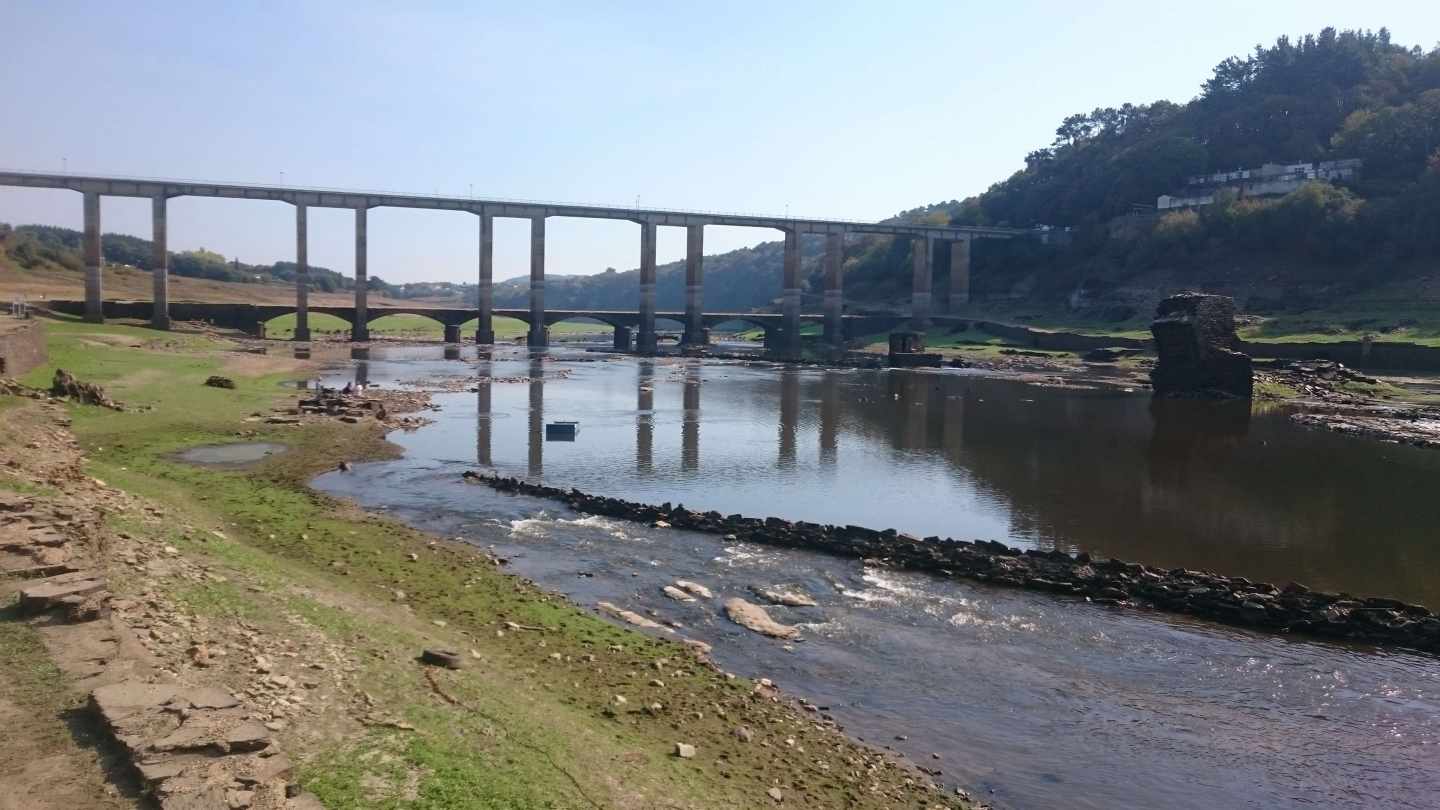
(22, 346)
(1196, 343)
(1292, 608)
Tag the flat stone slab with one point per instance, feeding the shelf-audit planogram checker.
(196, 749)
(753, 617)
(48, 593)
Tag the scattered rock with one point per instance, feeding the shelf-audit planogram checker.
(65, 386)
(677, 594)
(220, 382)
(684, 750)
(448, 659)
(630, 617)
(694, 589)
(753, 617)
(778, 596)
(776, 794)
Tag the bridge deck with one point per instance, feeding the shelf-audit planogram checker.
(119, 186)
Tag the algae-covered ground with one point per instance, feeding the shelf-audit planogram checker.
(535, 718)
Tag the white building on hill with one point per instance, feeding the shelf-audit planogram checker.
(1272, 179)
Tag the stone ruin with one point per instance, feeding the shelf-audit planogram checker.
(1198, 350)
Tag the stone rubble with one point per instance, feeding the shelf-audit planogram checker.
(1291, 608)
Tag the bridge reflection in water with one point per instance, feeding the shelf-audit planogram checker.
(1178, 484)
(692, 379)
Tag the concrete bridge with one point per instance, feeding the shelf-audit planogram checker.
(783, 329)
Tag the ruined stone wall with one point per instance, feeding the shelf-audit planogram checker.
(22, 346)
(1291, 608)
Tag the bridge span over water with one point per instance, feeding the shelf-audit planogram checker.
(783, 330)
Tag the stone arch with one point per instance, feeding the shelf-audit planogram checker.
(766, 329)
(405, 323)
(281, 325)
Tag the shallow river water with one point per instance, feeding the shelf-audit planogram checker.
(1032, 701)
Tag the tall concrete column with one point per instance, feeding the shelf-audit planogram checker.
(360, 330)
(959, 274)
(645, 341)
(485, 326)
(302, 274)
(94, 261)
(834, 286)
(159, 265)
(920, 296)
(790, 297)
(538, 336)
(695, 333)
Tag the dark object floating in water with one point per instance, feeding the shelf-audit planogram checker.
(561, 431)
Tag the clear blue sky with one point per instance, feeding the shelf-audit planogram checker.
(855, 110)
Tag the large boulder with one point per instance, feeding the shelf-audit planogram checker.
(1196, 342)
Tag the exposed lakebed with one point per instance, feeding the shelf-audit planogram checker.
(1045, 701)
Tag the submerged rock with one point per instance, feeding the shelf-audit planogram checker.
(788, 598)
(753, 617)
(694, 589)
(677, 594)
(630, 617)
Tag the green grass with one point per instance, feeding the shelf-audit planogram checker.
(30, 674)
(1382, 325)
(419, 327)
(532, 727)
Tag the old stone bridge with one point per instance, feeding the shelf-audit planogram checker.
(251, 318)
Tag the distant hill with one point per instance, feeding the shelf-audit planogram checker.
(1336, 94)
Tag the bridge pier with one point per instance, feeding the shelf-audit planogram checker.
(959, 274)
(790, 297)
(360, 329)
(834, 286)
(695, 332)
(920, 248)
(485, 326)
(94, 261)
(623, 342)
(645, 341)
(160, 265)
(452, 333)
(539, 336)
(302, 274)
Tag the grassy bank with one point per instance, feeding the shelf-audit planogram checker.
(532, 721)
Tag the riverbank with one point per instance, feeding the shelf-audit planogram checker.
(1292, 608)
(282, 588)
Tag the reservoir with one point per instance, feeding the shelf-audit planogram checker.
(1029, 700)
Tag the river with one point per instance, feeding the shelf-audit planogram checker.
(1030, 701)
